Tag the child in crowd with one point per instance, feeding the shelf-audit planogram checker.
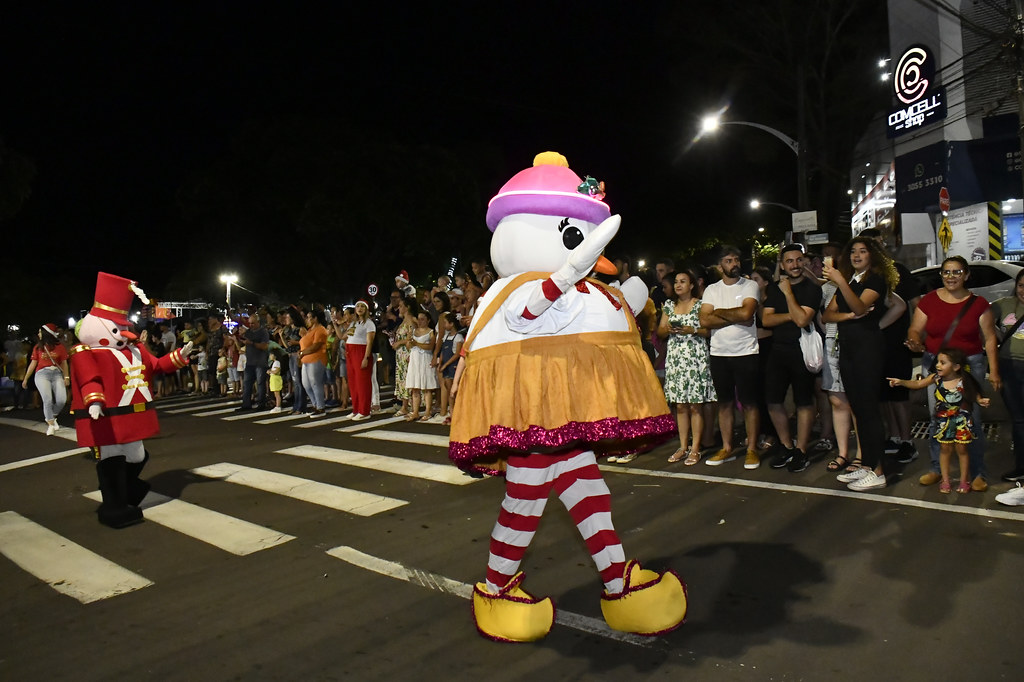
(451, 344)
(240, 369)
(421, 379)
(276, 384)
(222, 371)
(234, 380)
(204, 379)
(956, 391)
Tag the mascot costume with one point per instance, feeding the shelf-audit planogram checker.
(111, 397)
(553, 376)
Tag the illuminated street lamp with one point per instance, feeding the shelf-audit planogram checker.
(229, 280)
(756, 204)
(712, 122)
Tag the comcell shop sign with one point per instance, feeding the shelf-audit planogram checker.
(921, 103)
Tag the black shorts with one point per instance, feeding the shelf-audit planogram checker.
(735, 377)
(786, 368)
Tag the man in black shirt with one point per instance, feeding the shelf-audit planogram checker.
(789, 306)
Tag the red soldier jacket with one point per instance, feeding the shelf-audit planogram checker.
(119, 380)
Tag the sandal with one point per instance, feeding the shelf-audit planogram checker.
(692, 458)
(677, 455)
(855, 464)
(838, 463)
(411, 417)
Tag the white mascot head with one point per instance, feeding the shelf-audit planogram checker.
(107, 323)
(541, 215)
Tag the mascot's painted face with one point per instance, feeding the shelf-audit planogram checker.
(523, 242)
(100, 333)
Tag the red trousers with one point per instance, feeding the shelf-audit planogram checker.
(358, 377)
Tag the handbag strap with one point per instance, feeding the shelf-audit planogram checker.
(1010, 332)
(956, 320)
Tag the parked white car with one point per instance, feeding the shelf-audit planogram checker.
(991, 279)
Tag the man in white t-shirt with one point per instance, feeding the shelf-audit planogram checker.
(727, 309)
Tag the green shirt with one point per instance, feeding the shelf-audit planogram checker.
(1006, 312)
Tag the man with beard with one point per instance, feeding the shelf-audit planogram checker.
(727, 309)
(790, 306)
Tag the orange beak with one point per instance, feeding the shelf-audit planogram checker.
(605, 266)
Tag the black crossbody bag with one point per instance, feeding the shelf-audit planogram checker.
(952, 328)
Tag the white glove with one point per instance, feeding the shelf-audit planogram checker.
(584, 257)
(186, 349)
(635, 292)
(95, 411)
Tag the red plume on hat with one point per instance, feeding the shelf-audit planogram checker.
(114, 296)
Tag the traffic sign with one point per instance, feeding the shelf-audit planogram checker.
(372, 289)
(944, 200)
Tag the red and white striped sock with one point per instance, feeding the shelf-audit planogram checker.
(577, 480)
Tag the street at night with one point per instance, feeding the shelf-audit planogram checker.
(790, 576)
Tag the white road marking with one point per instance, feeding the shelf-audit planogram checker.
(64, 565)
(213, 413)
(44, 458)
(809, 490)
(220, 530)
(66, 432)
(282, 418)
(371, 424)
(407, 437)
(442, 473)
(324, 421)
(439, 583)
(204, 406)
(248, 414)
(323, 494)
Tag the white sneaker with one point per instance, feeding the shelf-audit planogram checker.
(360, 417)
(49, 429)
(1013, 497)
(851, 476)
(348, 416)
(436, 419)
(869, 481)
(613, 459)
(626, 459)
(56, 426)
(276, 410)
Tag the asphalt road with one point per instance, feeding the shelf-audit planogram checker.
(790, 576)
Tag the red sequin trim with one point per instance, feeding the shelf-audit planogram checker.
(606, 436)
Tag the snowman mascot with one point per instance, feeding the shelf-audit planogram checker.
(111, 397)
(554, 376)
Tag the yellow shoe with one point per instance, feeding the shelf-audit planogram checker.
(512, 615)
(650, 604)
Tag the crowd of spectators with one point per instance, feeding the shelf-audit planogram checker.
(723, 342)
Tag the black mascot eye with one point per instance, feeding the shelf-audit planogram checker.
(114, 330)
(572, 237)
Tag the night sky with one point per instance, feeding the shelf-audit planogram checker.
(122, 107)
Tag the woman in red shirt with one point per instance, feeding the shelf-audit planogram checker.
(974, 334)
(49, 361)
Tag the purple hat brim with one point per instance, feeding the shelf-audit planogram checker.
(563, 205)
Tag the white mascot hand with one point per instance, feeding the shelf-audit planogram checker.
(186, 349)
(584, 257)
(635, 292)
(95, 411)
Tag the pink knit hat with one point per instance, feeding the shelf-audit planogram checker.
(547, 188)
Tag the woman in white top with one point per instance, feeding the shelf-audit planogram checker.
(359, 355)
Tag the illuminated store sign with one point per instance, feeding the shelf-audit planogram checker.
(913, 82)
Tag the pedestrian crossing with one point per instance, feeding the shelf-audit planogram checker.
(75, 570)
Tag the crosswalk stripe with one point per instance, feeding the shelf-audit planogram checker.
(442, 473)
(248, 414)
(65, 432)
(372, 424)
(214, 413)
(324, 422)
(64, 565)
(44, 458)
(282, 418)
(323, 494)
(204, 406)
(440, 583)
(220, 530)
(407, 437)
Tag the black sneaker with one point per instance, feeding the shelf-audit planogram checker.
(891, 446)
(907, 453)
(799, 462)
(783, 457)
(1014, 475)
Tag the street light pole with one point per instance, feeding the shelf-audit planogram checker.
(229, 280)
(756, 204)
(711, 123)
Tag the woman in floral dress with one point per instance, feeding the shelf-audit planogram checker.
(687, 375)
(407, 308)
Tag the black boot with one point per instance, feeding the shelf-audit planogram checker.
(135, 488)
(114, 511)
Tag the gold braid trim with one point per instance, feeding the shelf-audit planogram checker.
(78, 348)
(93, 397)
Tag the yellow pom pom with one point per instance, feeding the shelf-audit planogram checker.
(550, 159)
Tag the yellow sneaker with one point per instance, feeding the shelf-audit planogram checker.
(512, 615)
(720, 457)
(752, 461)
(650, 604)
